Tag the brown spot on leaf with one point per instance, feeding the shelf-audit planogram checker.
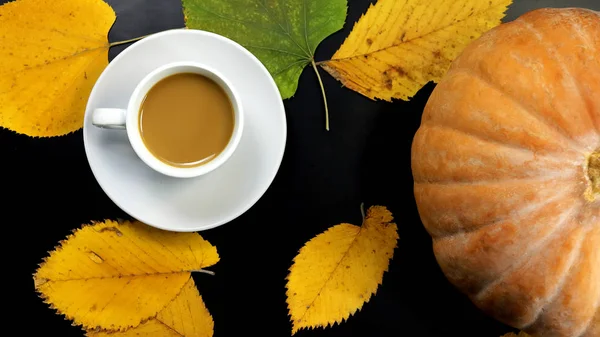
(437, 54)
(93, 308)
(388, 83)
(387, 80)
(369, 42)
(109, 229)
(399, 71)
(95, 257)
(402, 36)
(347, 267)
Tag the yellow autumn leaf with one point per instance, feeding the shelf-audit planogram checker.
(51, 52)
(113, 276)
(398, 46)
(185, 316)
(336, 272)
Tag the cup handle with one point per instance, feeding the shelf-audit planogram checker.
(109, 118)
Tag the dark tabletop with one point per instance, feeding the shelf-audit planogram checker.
(49, 190)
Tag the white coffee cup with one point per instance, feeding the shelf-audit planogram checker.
(128, 119)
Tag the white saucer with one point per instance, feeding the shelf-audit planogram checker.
(192, 204)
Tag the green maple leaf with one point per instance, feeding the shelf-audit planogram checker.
(282, 34)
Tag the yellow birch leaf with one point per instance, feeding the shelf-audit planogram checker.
(337, 271)
(400, 45)
(521, 334)
(51, 52)
(185, 316)
(114, 276)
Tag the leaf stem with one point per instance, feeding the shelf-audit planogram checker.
(362, 210)
(117, 43)
(312, 60)
(203, 271)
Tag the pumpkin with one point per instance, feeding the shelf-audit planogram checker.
(506, 168)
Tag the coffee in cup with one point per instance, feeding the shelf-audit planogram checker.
(186, 119)
(183, 119)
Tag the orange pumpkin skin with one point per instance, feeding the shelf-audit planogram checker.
(506, 165)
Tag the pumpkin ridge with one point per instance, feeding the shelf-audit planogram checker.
(441, 221)
(579, 276)
(594, 320)
(582, 32)
(526, 109)
(477, 160)
(507, 145)
(537, 306)
(586, 37)
(563, 282)
(541, 179)
(526, 257)
(528, 210)
(560, 62)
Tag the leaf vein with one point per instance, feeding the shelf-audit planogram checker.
(54, 61)
(59, 95)
(475, 15)
(218, 16)
(289, 66)
(278, 50)
(306, 29)
(285, 31)
(124, 275)
(399, 17)
(309, 306)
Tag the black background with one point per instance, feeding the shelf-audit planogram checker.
(48, 190)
